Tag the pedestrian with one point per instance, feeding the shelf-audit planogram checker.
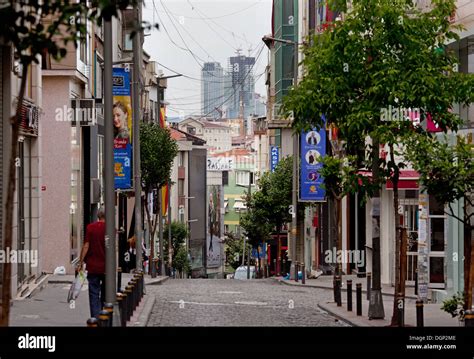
(93, 255)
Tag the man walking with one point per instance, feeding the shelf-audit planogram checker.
(93, 254)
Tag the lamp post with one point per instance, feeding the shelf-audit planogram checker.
(294, 233)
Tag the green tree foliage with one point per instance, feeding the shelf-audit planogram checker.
(233, 250)
(157, 152)
(181, 261)
(268, 207)
(383, 55)
(179, 233)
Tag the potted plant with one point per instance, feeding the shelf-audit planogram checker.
(455, 306)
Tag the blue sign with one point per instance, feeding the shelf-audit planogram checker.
(274, 157)
(122, 117)
(313, 148)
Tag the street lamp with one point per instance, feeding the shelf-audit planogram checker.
(268, 40)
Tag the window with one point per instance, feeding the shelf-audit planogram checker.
(127, 42)
(191, 130)
(181, 159)
(225, 178)
(242, 178)
(181, 187)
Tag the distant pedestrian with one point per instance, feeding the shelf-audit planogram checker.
(93, 254)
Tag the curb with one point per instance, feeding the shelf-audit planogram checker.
(145, 313)
(156, 281)
(281, 281)
(341, 318)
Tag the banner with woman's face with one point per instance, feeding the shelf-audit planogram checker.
(122, 117)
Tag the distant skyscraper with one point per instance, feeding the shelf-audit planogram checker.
(241, 85)
(212, 89)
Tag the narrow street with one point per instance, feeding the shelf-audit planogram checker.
(226, 302)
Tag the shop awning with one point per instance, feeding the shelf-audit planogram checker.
(408, 179)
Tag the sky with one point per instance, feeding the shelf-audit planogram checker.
(196, 31)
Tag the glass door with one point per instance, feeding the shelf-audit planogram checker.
(437, 244)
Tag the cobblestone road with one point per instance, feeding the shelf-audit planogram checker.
(228, 302)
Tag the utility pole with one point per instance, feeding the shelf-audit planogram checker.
(169, 228)
(136, 137)
(249, 195)
(109, 173)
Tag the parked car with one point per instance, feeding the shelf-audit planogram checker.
(241, 273)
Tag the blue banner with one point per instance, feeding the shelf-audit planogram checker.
(274, 157)
(122, 117)
(313, 148)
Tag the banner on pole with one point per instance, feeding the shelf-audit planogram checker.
(312, 149)
(122, 117)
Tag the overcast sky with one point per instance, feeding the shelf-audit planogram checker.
(213, 31)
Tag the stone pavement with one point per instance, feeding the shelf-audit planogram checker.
(49, 306)
(433, 315)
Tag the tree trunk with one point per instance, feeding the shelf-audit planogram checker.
(398, 268)
(468, 258)
(376, 310)
(8, 230)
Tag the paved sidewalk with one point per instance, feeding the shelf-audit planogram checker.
(49, 307)
(433, 315)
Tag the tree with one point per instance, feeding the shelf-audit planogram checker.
(268, 207)
(447, 172)
(234, 247)
(35, 28)
(157, 152)
(181, 261)
(384, 55)
(179, 233)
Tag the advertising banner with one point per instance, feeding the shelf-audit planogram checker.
(215, 223)
(312, 149)
(122, 117)
(274, 158)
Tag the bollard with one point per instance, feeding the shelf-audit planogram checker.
(92, 322)
(419, 313)
(103, 318)
(469, 318)
(125, 306)
(133, 287)
(128, 291)
(296, 271)
(369, 284)
(349, 295)
(109, 307)
(303, 271)
(359, 298)
(401, 310)
(119, 279)
(120, 308)
(338, 290)
(416, 281)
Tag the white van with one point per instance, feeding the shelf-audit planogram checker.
(241, 273)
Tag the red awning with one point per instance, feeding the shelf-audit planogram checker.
(408, 179)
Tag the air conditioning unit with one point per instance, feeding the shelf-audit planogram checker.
(276, 109)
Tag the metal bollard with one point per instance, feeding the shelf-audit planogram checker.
(119, 298)
(92, 322)
(369, 284)
(296, 271)
(469, 318)
(338, 290)
(419, 313)
(401, 310)
(109, 307)
(119, 279)
(128, 291)
(133, 287)
(303, 271)
(349, 295)
(125, 306)
(103, 318)
(359, 298)
(416, 281)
